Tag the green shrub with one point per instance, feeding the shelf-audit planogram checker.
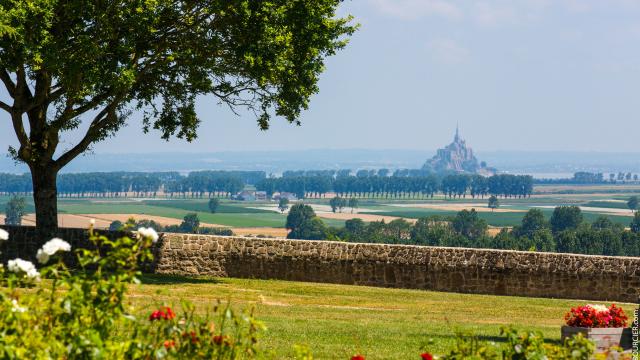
(520, 345)
(59, 313)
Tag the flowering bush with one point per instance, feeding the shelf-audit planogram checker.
(596, 316)
(58, 313)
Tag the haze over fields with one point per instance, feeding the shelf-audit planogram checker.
(538, 164)
(524, 75)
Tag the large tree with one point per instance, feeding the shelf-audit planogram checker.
(565, 218)
(632, 203)
(14, 211)
(87, 65)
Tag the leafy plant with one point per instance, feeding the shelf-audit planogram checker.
(519, 345)
(61, 313)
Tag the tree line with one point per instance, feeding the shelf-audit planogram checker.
(585, 177)
(116, 184)
(190, 225)
(564, 232)
(454, 185)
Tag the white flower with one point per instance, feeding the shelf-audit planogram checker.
(148, 233)
(50, 248)
(4, 235)
(598, 308)
(16, 307)
(23, 266)
(92, 222)
(42, 257)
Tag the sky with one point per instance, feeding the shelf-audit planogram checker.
(526, 75)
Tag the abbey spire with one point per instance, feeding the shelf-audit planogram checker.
(456, 157)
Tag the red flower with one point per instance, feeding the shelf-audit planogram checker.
(169, 314)
(164, 312)
(169, 344)
(590, 317)
(221, 339)
(357, 357)
(192, 335)
(426, 356)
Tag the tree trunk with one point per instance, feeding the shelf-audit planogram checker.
(45, 199)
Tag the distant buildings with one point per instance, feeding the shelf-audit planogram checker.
(248, 195)
(245, 196)
(458, 158)
(287, 195)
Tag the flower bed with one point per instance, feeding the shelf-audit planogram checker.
(52, 312)
(606, 326)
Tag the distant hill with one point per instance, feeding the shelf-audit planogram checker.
(456, 157)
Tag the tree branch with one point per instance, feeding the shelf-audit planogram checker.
(69, 112)
(18, 127)
(5, 107)
(93, 132)
(8, 83)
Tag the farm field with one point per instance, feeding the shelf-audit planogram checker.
(263, 217)
(337, 321)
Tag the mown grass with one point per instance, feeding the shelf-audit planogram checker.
(337, 321)
(203, 206)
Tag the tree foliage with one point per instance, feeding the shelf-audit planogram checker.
(283, 204)
(319, 183)
(566, 218)
(88, 65)
(337, 203)
(632, 203)
(467, 229)
(493, 202)
(214, 203)
(304, 224)
(14, 211)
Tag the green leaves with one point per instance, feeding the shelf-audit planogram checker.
(157, 56)
(82, 314)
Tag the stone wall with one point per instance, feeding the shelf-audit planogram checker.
(480, 271)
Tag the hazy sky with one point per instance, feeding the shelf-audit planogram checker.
(516, 75)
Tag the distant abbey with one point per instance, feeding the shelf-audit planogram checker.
(456, 158)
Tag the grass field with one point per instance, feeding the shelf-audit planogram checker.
(248, 214)
(337, 321)
(493, 219)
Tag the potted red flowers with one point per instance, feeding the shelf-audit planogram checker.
(606, 326)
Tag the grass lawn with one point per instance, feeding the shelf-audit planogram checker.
(337, 321)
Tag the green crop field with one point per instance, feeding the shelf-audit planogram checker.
(203, 206)
(337, 321)
(492, 218)
(249, 214)
(607, 204)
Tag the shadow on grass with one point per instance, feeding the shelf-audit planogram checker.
(484, 338)
(161, 279)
